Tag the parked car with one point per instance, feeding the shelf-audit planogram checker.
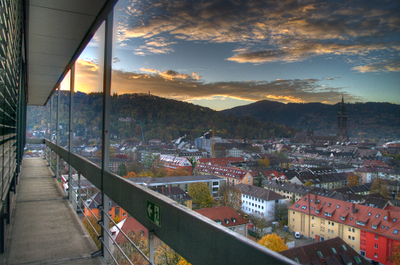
(297, 235)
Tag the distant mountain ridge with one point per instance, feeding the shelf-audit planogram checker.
(156, 117)
(372, 120)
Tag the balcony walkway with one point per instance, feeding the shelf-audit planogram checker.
(44, 227)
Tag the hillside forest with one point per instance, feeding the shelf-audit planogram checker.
(365, 120)
(138, 116)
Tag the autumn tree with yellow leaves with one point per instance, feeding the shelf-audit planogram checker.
(396, 255)
(263, 162)
(379, 186)
(273, 242)
(200, 192)
(230, 196)
(130, 175)
(353, 180)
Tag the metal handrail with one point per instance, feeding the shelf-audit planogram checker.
(179, 226)
(127, 237)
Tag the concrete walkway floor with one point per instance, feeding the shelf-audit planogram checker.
(45, 229)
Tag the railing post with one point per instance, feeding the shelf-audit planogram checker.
(51, 131)
(58, 133)
(71, 133)
(151, 247)
(78, 197)
(106, 127)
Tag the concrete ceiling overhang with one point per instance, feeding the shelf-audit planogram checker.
(57, 31)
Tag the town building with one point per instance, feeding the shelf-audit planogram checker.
(221, 161)
(175, 162)
(259, 201)
(332, 251)
(369, 173)
(115, 211)
(291, 191)
(177, 194)
(232, 175)
(213, 182)
(114, 162)
(324, 180)
(227, 217)
(342, 134)
(371, 231)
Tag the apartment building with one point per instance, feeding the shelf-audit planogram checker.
(214, 183)
(371, 231)
(232, 175)
(256, 200)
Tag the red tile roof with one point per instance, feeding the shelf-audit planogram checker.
(354, 215)
(220, 161)
(230, 172)
(225, 214)
(130, 225)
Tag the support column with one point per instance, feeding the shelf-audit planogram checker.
(71, 132)
(151, 247)
(106, 127)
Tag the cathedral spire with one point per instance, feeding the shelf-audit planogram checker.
(342, 122)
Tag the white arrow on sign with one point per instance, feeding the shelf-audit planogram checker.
(149, 210)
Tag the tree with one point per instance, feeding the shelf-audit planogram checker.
(281, 212)
(130, 175)
(182, 261)
(163, 254)
(122, 170)
(379, 186)
(230, 196)
(200, 194)
(96, 226)
(149, 160)
(396, 255)
(258, 180)
(353, 180)
(193, 161)
(130, 251)
(99, 153)
(161, 172)
(89, 228)
(178, 172)
(166, 255)
(273, 242)
(135, 167)
(308, 183)
(259, 223)
(263, 162)
(145, 174)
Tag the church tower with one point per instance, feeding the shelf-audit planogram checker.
(342, 123)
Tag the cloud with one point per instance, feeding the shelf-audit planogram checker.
(286, 31)
(157, 45)
(383, 66)
(304, 51)
(189, 87)
(171, 75)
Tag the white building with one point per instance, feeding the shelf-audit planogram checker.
(256, 200)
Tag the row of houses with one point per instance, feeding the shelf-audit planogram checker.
(371, 231)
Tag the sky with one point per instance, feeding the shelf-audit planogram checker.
(222, 54)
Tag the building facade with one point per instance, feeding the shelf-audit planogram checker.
(259, 201)
(232, 175)
(371, 231)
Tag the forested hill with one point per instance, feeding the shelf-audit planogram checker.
(160, 118)
(372, 120)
